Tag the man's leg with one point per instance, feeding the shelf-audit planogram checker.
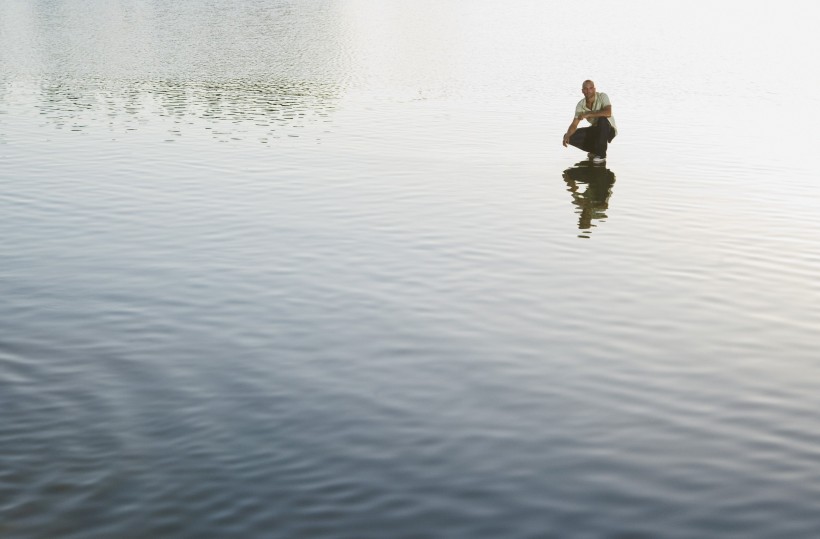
(601, 135)
(580, 139)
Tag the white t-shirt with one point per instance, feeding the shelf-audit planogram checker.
(601, 101)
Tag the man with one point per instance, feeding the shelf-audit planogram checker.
(597, 110)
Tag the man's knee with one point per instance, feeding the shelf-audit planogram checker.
(577, 138)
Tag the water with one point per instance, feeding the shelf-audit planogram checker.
(323, 269)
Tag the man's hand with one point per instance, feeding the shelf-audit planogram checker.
(571, 130)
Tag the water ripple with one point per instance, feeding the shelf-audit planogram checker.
(387, 326)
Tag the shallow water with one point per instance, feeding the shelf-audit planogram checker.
(323, 269)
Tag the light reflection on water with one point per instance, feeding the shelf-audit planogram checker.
(350, 299)
(229, 109)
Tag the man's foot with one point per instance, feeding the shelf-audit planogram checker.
(598, 160)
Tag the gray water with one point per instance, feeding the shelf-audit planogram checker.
(322, 269)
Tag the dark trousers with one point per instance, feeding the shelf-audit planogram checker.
(594, 138)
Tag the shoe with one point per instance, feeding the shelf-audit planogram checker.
(598, 160)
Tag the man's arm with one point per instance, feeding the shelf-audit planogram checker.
(605, 112)
(571, 129)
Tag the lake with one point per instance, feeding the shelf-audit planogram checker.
(322, 269)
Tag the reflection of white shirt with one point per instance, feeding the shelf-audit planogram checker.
(601, 101)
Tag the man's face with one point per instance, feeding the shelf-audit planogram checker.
(589, 90)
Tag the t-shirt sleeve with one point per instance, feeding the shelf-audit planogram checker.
(604, 100)
(579, 108)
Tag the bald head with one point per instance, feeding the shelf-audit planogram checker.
(588, 89)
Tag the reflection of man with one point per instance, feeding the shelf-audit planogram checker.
(597, 110)
(593, 201)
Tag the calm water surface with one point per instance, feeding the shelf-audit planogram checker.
(322, 269)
